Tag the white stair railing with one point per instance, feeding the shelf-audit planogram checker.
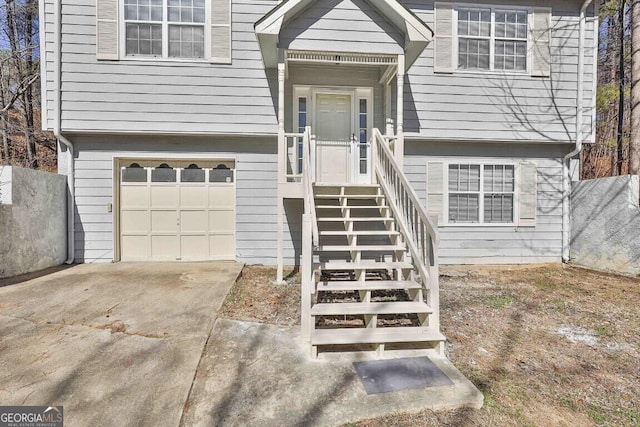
(420, 234)
(310, 237)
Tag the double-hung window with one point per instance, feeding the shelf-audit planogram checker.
(165, 28)
(481, 193)
(492, 39)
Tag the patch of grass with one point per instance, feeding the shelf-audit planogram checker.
(568, 403)
(500, 301)
(546, 285)
(597, 414)
(604, 331)
(233, 297)
(559, 304)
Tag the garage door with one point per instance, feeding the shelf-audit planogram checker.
(177, 210)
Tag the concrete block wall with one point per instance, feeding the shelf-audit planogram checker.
(33, 233)
(605, 224)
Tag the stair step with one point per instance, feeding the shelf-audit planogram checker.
(348, 196)
(343, 265)
(351, 207)
(352, 308)
(359, 233)
(354, 219)
(356, 285)
(361, 248)
(375, 335)
(329, 185)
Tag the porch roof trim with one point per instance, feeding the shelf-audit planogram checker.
(417, 34)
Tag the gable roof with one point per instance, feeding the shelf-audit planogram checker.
(417, 35)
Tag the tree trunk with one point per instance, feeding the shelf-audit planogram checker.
(621, 81)
(27, 98)
(21, 25)
(634, 143)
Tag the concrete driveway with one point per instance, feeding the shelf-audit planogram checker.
(115, 344)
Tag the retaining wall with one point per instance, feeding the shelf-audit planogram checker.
(605, 224)
(33, 230)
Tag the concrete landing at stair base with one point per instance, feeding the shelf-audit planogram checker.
(257, 374)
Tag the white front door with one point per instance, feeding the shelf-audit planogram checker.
(334, 136)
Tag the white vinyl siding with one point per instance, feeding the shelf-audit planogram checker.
(193, 97)
(504, 106)
(342, 26)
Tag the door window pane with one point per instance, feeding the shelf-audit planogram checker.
(363, 136)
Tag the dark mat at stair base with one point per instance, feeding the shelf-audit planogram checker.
(407, 373)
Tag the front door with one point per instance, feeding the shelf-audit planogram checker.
(334, 137)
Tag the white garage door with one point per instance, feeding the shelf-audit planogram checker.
(177, 210)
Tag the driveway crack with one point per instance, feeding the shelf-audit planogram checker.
(114, 327)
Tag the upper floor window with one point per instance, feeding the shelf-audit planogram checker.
(502, 39)
(165, 28)
(492, 39)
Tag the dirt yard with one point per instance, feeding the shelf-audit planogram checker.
(548, 345)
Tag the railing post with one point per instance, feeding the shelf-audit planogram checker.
(399, 143)
(307, 277)
(282, 153)
(434, 285)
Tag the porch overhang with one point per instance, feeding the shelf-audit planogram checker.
(417, 35)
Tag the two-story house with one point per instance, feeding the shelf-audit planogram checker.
(203, 129)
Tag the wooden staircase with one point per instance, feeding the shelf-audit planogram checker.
(366, 292)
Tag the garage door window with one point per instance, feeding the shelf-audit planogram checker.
(221, 174)
(163, 173)
(134, 173)
(192, 173)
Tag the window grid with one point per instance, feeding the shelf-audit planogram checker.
(363, 126)
(492, 39)
(474, 38)
(481, 194)
(302, 123)
(165, 28)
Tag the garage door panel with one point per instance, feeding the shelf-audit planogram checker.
(194, 247)
(164, 222)
(193, 197)
(222, 196)
(193, 221)
(134, 196)
(135, 248)
(165, 247)
(223, 220)
(135, 222)
(163, 196)
(222, 246)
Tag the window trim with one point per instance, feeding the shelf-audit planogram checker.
(357, 93)
(481, 193)
(492, 38)
(122, 42)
